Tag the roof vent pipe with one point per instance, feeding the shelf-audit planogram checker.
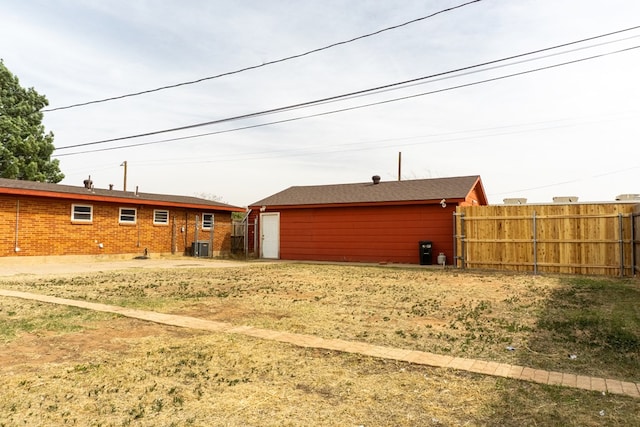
(88, 183)
(376, 179)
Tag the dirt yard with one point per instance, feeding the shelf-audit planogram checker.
(67, 366)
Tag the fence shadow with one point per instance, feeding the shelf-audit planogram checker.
(586, 326)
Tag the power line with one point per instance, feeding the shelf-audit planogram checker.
(346, 108)
(500, 131)
(253, 67)
(343, 96)
(446, 138)
(505, 65)
(555, 184)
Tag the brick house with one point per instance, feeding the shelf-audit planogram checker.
(42, 219)
(373, 221)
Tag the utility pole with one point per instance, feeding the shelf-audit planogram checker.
(125, 175)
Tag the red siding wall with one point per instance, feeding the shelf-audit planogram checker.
(41, 227)
(475, 197)
(365, 234)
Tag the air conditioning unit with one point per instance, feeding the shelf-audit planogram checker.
(200, 249)
(565, 199)
(624, 197)
(515, 201)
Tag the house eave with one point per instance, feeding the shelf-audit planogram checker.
(452, 202)
(90, 197)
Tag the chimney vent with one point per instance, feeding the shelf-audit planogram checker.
(88, 184)
(376, 179)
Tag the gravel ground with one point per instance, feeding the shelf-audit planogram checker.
(45, 266)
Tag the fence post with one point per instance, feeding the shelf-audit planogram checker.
(195, 236)
(621, 244)
(633, 244)
(245, 238)
(455, 241)
(174, 236)
(462, 243)
(535, 244)
(213, 226)
(255, 237)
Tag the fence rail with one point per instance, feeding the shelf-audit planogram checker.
(595, 239)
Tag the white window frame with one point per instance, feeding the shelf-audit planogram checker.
(127, 216)
(164, 214)
(207, 225)
(77, 215)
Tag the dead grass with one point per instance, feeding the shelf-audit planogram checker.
(224, 381)
(85, 368)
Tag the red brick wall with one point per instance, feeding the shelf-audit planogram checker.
(41, 226)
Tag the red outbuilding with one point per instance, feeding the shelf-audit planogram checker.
(375, 221)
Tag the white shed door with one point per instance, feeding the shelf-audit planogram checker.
(270, 231)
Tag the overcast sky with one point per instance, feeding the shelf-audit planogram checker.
(568, 130)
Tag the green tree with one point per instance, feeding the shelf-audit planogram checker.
(25, 148)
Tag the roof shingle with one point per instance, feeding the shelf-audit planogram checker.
(83, 192)
(368, 192)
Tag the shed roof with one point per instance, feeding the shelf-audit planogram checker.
(43, 189)
(368, 192)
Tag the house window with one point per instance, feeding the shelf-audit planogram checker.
(127, 216)
(207, 221)
(160, 217)
(82, 213)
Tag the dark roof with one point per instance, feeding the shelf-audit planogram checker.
(368, 192)
(69, 191)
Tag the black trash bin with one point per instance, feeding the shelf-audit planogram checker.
(425, 251)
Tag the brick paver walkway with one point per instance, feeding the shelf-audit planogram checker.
(412, 356)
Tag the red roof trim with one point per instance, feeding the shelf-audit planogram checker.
(120, 200)
(361, 204)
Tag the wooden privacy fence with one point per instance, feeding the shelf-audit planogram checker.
(597, 239)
